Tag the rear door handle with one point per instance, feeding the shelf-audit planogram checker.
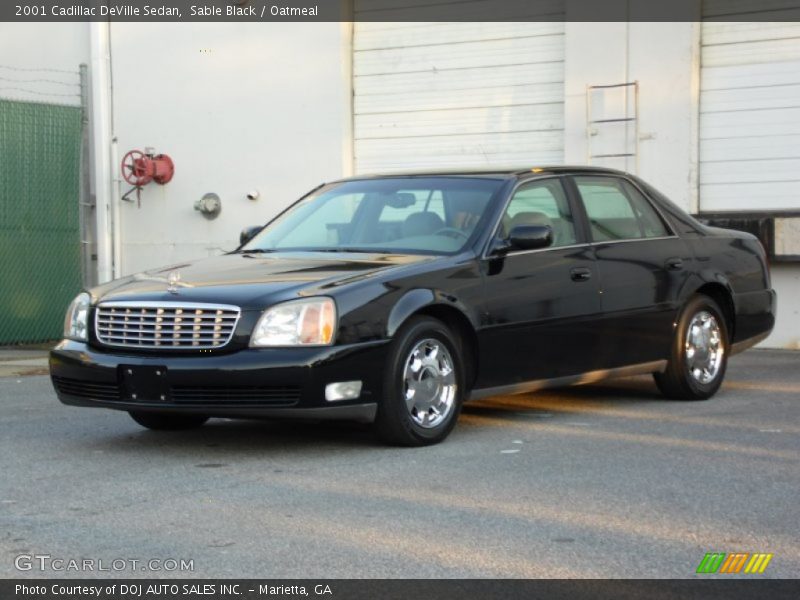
(674, 264)
(580, 274)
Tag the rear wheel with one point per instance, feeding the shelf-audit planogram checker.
(699, 353)
(167, 421)
(423, 386)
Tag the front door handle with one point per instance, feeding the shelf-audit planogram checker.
(674, 264)
(580, 274)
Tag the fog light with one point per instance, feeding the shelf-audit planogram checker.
(343, 390)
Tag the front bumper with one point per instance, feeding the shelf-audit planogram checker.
(250, 383)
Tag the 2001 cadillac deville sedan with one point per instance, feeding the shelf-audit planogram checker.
(394, 299)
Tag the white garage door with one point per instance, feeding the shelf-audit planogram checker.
(453, 95)
(749, 111)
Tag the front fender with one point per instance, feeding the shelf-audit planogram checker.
(417, 299)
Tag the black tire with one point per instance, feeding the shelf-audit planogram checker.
(677, 381)
(394, 423)
(167, 421)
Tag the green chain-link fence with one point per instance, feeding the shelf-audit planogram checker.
(40, 244)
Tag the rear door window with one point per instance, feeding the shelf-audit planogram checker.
(618, 211)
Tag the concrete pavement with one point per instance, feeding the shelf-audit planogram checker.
(598, 481)
(18, 361)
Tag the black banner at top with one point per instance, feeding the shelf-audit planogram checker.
(396, 10)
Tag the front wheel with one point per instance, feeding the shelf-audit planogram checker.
(423, 386)
(699, 354)
(167, 421)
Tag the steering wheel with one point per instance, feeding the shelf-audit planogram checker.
(452, 232)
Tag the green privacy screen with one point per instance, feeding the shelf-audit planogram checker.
(40, 250)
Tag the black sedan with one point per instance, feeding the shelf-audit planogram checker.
(394, 299)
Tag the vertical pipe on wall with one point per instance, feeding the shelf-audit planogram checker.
(101, 142)
(86, 205)
(116, 178)
(116, 221)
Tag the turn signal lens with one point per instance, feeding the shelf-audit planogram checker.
(306, 322)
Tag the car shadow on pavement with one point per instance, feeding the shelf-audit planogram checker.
(237, 436)
(612, 393)
(631, 398)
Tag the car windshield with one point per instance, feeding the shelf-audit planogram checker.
(430, 215)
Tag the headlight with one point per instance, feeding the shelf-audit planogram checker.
(76, 322)
(306, 322)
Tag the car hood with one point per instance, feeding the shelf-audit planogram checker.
(252, 280)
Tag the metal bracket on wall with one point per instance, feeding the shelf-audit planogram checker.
(623, 124)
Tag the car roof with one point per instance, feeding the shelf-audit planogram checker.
(497, 173)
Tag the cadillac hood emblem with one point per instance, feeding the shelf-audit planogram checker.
(173, 281)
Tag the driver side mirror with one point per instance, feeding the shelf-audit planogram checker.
(248, 233)
(530, 237)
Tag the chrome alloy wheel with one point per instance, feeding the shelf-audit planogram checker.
(429, 383)
(704, 347)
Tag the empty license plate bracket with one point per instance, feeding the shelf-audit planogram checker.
(145, 384)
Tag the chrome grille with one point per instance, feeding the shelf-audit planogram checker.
(167, 325)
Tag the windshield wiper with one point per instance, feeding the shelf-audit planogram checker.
(344, 249)
(256, 251)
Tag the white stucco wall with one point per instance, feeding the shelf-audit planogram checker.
(238, 107)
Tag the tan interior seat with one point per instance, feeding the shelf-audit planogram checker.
(422, 223)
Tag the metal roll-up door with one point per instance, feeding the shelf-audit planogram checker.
(750, 107)
(459, 95)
